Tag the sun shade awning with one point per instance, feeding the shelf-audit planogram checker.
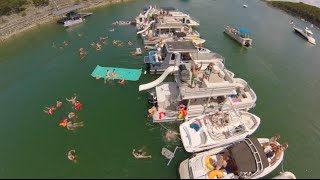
(68, 9)
(244, 157)
(168, 8)
(243, 30)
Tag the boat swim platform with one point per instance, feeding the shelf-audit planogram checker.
(69, 9)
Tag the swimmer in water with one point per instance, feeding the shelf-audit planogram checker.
(140, 154)
(71, 115)
(49, 111)
(54, 45)
(63, 122)
(107, 76)
(72, 156)
(130, 43)
(79, 35)
(72, 100)
(59, 104)
(77, 105)
(171, 135)
(93, 44)
(65, 43)
(121, 81)
(71, 126)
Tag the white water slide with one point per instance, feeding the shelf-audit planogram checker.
(139, 32)
(156, 82)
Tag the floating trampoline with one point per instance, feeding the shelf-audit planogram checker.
(127, 74)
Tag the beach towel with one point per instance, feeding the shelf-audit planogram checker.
(194, 126)
(127, 74)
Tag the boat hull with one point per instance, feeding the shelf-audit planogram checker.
(300, 32)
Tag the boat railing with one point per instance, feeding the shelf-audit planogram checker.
(194, 19)
(256, 156)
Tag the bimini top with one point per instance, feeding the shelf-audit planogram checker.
(168, 8)
(243, 30)
(244, 157)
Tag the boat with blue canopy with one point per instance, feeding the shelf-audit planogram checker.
(241, 35)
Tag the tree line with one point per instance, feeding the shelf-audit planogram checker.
(8, 7)
(306, 11)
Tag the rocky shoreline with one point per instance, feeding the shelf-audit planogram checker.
(14, 24)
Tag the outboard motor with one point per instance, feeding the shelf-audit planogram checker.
(184, 73)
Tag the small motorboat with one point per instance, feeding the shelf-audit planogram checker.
(245, 6)
(306, 33)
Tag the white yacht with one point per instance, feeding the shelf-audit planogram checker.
(169, 14)
(220, 92)
(166, 31)
(216, 130)
(247, 161)
(241, 35)
(306, 33)
(176, 52)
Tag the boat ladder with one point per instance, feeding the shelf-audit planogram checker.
(256, 157)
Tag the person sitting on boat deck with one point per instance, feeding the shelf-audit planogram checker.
(278, 150)
(152, 111)
(140, 154)
(195, 71)
(78, 105)
(114, 74)
(72, 100)
(59, 104)
(71, 155)
(49, 110)
(221, 162)
(71, 126)
(208, 71)
(272, 141)
(122, 81)
(71, 115)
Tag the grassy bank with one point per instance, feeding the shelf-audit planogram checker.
(20, 15)
(301, 10)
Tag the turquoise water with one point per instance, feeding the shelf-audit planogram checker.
(281, 67)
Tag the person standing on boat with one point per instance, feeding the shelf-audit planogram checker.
(208, 72)
(114, 74)
(195, 71)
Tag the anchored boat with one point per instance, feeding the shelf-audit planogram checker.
(247, 160)
(306, 34)
(218, 129)
(241, 35)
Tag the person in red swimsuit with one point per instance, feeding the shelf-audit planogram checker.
(78, 105)
(49, 110)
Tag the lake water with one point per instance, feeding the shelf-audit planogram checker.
(281, 67)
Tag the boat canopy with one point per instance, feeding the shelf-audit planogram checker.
(243, 30)
(168, 8)
(244, 157)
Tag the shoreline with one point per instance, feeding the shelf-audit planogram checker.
(48, 17)
(293, 14)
